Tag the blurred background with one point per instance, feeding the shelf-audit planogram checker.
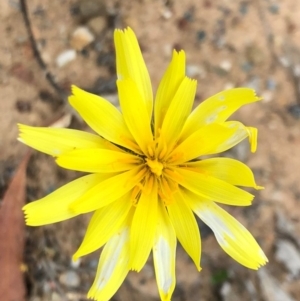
(48, 45)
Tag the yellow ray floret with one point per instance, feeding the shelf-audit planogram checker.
(164, 252)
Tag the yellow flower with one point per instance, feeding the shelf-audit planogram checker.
(147, 180)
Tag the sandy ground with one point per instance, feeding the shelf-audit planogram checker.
(228, 44)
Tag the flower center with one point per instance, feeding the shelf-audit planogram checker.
(155, 166)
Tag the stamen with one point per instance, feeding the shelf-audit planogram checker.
(150, 151)
(175, 157)
(175, 176)
(134, 195)
(132, 145)
(163, 151)
(149, 185)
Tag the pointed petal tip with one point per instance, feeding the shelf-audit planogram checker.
(259, 187)
(75, 256)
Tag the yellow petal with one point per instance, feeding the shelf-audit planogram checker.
(252, 135)
(55, 206)
(241, 132)
(207, 140)
(218, 108)
(177, 113)
(229, 170)
(97, 160)
(104, 223)
(232, 236)
(55, 142)
(212, 188)
(143, 226)
(186, 227)
(107, 191)
(130, 64)
(168, 86)
(103, 117)
(164, 253)
(135, 113)
(113, 266)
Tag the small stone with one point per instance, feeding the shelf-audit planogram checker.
(112, 98)
(271, 288)
(97, 25)
(246, 66)
(69, 278)
(244, 7)
(267, 96)
(227, 293)
(23, 106)
(195, 71)
(274, 9)
(104, 85)
(55, 297)
(201, 35)
(294, 110)
(81, 38)
(255, 55)
(254, 83)
(288, 254)
(296, 70)
(65, 57)
(271, 84)
(226, 65)
(240, 151)
(91, 8)
(229, 86)
(284, 61)
(166, 14)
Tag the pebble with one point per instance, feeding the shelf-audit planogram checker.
(81, 38)
(271, 84)
(244, 8)
(112, 98)
(70, 279)
(296, 70)
(267, 96)
(246, 66)
(65, 57)
(195, 71)
(284, 225)
(285, 62)
(228, 294)
(226, 65)
(294, 110)
(271, 288)
(97, 25)
(201, 35)
(166, 14)
(91, 8)
(240, 151)
(255, 55)
(254, 83)
(274, 9)
(229, 86)
(23, 106)
(55, 297)
(287, 253)
(105, 85)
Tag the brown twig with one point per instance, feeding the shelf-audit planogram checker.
(49, 76)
